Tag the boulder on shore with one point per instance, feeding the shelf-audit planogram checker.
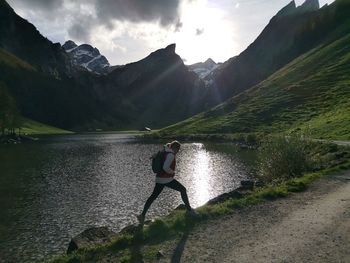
(91, 236)
(247, 184)
(224, 197)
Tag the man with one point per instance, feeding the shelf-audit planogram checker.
(166, 179)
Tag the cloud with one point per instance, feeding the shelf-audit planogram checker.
(166, 12)
(39, 5)
(82, 17)
(80, 30)
(199, 31)
(178, 26)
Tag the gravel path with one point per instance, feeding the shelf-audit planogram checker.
(312, 226)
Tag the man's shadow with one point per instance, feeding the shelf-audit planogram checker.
(136, 254)
(135, 250)
(178, 251)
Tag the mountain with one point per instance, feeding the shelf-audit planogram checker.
(48, 87)
(309, 94)
(22, 39)
(159, 89)
(155, 91)
(290, 33)
(203, 69)
(42, 79)
(87, 57)
(292, 9)
(64, 102)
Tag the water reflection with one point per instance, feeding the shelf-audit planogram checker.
(201, 174)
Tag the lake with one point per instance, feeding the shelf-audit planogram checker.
(55, 188)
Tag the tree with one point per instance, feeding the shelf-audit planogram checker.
(9, 114)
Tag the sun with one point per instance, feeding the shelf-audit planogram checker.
(205, 33)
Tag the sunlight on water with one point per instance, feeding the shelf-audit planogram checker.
(201, 174)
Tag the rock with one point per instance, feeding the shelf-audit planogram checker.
(171, 48)
(287, 10)
(308, 6)
(224, 197)
(181, 207)
(341, 155)
(160, 254)
(91, 236)
(69, 45)
(247, 185)
(130, 229)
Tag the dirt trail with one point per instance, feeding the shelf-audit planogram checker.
(312, 226)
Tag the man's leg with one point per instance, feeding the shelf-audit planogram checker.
(158, 188)
(176, 185)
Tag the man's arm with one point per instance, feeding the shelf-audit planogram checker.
(166, 166)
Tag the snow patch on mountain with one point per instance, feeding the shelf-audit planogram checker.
(203, 69)
(87, 57)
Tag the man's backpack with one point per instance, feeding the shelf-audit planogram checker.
(158, 161)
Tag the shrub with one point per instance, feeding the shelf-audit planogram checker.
(283, 158)
(251, 139)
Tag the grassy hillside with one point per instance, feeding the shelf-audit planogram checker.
(12, 61)
(31, 127)
(312, 93)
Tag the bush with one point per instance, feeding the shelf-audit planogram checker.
(283, 158)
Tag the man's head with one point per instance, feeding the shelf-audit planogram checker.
(175, 146)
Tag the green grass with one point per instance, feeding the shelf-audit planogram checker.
(312, 93)
(12, 61)
(31, 127)
(144, 243)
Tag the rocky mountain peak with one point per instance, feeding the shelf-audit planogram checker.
(87, 57)
(167, 52)
(209, 62)
(171, 48)
(203, 69)
(309, 6)
(69, 45)
(292, 9)
(287, 10)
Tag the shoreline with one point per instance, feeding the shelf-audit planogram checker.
(169, 227)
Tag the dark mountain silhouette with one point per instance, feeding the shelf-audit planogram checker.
(24, 41)
(154, 91)
(159, 87)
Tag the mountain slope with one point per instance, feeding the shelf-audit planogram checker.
(311, 93)
(31, 127)
(158, 90)
(12, 61)
(62, 102)
(22, 39)
(292, 32)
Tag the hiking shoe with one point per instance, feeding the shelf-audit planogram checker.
(141, 219)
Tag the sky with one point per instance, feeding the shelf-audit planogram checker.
(128, 30)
